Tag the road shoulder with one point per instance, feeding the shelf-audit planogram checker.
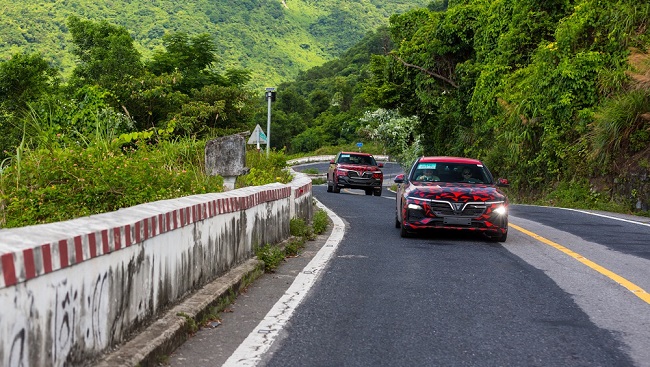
(213, 346)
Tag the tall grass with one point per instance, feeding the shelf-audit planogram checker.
(615, 122)
(58, 174)
(97, 174)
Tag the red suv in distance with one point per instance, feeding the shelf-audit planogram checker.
(355, 171)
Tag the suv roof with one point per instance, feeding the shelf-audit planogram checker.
(450, 160)
(357, 153)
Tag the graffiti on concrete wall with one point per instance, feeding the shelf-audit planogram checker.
(80, 314)
(17, 350)
(98, 303)
(66, 313)
(76, 322)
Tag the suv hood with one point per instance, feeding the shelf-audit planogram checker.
(455, 192)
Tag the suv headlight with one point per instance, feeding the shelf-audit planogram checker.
(499, 208)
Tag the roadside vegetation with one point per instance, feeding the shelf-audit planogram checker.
(552, 96)
(120, 131)
(301, 232)
(44, 186)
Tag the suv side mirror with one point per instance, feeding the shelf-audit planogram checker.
(399, 178)
(331, 161)
(380, 165)
(502, 182)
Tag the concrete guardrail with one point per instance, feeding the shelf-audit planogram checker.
(70, 291)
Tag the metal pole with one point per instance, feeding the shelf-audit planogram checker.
(268, 125)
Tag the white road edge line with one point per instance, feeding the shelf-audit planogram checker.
(609, 217)
(258, 342)
(592, 213)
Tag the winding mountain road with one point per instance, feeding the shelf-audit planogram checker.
(568, 288)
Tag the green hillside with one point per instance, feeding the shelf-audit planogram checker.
(555, 98)
(274, 39)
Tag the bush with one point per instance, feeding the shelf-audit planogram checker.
(294, 246)
(61, 183)
(264, 170)
(320, 221)
(580, 195)
(298, 228)
(272, 256)
(58, 184)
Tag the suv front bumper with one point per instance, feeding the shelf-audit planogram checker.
(358, 183)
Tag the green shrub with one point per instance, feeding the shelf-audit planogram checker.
(264, 170)
(59, 184)
(579, 195)
(272, 256)
(298, 228)
(320, 221)
(310, 171)
(294, 246)
(372, 147)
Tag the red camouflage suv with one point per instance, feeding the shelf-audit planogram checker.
(451, 193)
(355, 171)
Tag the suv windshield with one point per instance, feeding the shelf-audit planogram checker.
(356, 159)
(450, 172)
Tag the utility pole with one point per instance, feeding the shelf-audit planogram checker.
(270, 97)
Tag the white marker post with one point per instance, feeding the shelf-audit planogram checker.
(270, 97)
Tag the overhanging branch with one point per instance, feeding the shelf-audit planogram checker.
(430, 73)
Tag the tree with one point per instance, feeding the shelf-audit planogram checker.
(438, 5)
(237, 77)
(284, 127)
(152, 99)
(236, 105)
(290, 101)
(193, 57)
(24, 78)
(106, 54)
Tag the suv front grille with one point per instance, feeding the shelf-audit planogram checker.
(355, 174)
(441, 208)
(446, 208)
(474, 210)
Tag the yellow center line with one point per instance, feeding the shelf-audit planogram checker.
(638, 291)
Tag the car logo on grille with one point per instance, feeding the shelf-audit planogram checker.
(458, 207)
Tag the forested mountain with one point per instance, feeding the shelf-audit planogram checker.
(274, 39)
(553, 94)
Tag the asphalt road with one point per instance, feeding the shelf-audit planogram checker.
(566, 289)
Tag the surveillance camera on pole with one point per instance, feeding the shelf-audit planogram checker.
(270, 97)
